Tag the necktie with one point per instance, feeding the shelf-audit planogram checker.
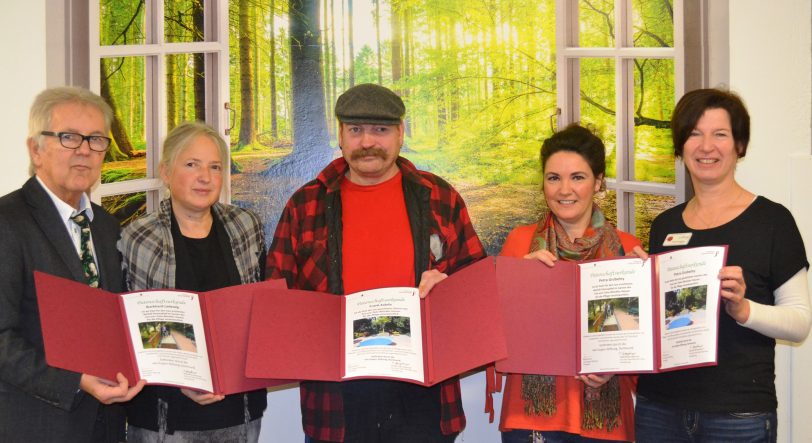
(88, 263)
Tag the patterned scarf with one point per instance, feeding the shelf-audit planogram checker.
(601, 405)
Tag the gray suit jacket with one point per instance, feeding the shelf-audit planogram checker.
(38, 402)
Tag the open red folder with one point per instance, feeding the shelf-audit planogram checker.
(86, 330)
(616, 315)
(539, 308)
(304, 335)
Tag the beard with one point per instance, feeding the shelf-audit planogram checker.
(369, 152)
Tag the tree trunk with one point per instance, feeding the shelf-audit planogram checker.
(257, 26)
(182, 82)
(247, 127)
(333, 75)
(199, 63)
(440, 95)
(309, 121)
(351, 43)
(272, 45)
(408, 62)
(311, 144)
(255, 62)
(397, 42)
(125, 148)
(325, 67)
(343, 49)
(453, 87)
(378, 39)
(171, 92)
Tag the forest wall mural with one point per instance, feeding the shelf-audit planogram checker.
(478, 78)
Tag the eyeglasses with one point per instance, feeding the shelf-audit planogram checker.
(72, 140)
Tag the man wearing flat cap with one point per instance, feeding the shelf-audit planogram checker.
(370, 220)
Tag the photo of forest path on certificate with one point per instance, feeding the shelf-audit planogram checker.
(382, 331)
(614, 314)
(685, 306)
(168, 335)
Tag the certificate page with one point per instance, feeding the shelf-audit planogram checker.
(383, 334)
(615, 308)
(689, 301)
(168, 338)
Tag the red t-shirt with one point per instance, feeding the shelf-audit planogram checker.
(377, 249)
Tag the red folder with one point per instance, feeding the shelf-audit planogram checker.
(540, 307)
(85, 331)
(299, 335)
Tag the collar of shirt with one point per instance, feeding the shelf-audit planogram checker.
(67, 211)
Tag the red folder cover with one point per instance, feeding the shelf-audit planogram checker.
(85, 331)
(540, 307)
(299, 335)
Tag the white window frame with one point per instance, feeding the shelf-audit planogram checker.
(154, 50)
(568, 55)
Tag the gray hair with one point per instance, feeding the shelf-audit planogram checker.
(39, 118)
(182, 136)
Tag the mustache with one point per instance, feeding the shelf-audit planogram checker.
(368, 152)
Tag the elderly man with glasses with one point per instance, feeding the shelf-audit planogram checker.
(50, 225)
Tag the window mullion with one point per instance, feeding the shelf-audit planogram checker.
(566, 68)
(217, 80)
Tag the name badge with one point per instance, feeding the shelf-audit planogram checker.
(677, 239)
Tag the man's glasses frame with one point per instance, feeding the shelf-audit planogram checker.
(73, 140)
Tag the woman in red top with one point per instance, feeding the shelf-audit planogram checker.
(590, 407)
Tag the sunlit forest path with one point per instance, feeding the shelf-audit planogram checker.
(496, 209)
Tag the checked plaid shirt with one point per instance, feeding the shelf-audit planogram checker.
(306, 251)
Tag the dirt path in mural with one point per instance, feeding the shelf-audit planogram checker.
(496, 209)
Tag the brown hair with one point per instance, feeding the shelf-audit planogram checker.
(580, 140)
(693, 105)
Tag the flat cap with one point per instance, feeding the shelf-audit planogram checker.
(370, 103)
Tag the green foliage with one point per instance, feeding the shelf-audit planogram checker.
(596, 23)
(653, 23)
(366, 70)
(271, 22)
(121, 174)
(364, 327)
(478, 79)
(693, 298)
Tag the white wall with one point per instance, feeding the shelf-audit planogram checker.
(770, 59)
(22, 29)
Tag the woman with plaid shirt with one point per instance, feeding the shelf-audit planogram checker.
(195, 243)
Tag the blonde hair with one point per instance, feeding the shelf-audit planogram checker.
(182, 136)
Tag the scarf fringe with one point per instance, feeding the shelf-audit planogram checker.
(601, 406)
(538, 393)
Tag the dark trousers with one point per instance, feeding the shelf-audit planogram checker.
(661, 423)
(525, 436)
(382, 411)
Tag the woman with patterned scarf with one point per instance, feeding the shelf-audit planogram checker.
(587, 408)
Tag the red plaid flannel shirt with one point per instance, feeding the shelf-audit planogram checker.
(305, 252)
